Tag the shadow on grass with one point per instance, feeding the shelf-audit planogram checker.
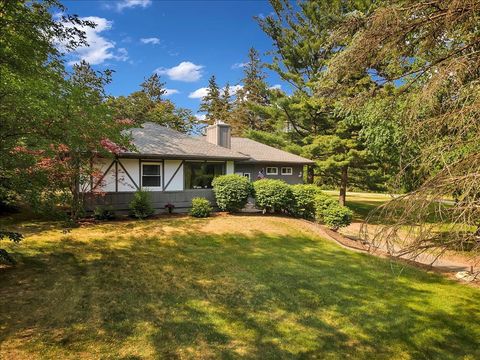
(231, 296)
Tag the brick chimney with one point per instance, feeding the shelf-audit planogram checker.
(219, 134)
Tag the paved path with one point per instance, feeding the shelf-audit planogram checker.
(451, 266)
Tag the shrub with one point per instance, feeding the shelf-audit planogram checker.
(141, 206)
(200, 207)
(337, 216)
(272, 195)
(323, 202)
(331, 213)
(104, 213)
(303, 204)
(231, 192)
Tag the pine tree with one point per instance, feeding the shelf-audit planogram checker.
(316, 111)
(226, 99)
(212, 104)
(253, 95)
(147, 105)
(153, 87)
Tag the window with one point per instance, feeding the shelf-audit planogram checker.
(247, 175)
(287, 171)
(152, 175)
(272, 171)
(199, 175)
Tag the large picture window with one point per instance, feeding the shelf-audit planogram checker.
(152, 175)
(199, 175)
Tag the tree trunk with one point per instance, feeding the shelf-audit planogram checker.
(343, 186)
(310, 174)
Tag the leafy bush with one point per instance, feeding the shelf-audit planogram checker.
(5, 257)
(337, 216)
(200, 207)
(104, 213)
(323, 202)
(272, 195)
(331, 213)
(141, 206)
(231, 192)
(303, 204)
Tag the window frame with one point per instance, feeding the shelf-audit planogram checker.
(247, 175)
(267, 172)
(153, 188)
(206, 162)
(289, 173)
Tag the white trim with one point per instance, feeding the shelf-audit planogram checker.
(289, 168)
(247, 175)
(270, 172)
(151, 188)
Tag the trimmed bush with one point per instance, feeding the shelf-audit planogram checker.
(303, 204)
(104, 213)
(231, 192)
(141, 206)
(272, 195)
(201, 207)
(323, 202)
(331, 213)
(337, 216)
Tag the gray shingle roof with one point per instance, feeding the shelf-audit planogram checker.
(259, 152)
(153, 139)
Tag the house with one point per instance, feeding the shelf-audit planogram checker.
(176, 167)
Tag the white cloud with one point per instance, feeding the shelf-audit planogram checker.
(100, 48)
(185, 71)
(203, 91)
(127, 4)
(199, 93)
(276, 87)
(234, 89)
(171, 92)
(200, 117)
(152, 40)
(239, 65)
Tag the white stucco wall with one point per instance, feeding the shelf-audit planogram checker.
(108, 182)
(132, 166)
(176, 183)
(124, 182)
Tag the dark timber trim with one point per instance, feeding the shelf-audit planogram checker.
(129, 176)
(174, 174)
(116, 175)
(103, 176)
(91, 174)
(139, 173)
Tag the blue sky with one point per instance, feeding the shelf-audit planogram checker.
(184, 41)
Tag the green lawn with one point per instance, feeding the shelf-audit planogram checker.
(225, 287)
(362, 203)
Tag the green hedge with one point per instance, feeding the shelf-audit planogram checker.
(201, 207)
(303, 204)
(231, 192)
(273, 195)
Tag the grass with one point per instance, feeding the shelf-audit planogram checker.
(362, 203)
(224, 287)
